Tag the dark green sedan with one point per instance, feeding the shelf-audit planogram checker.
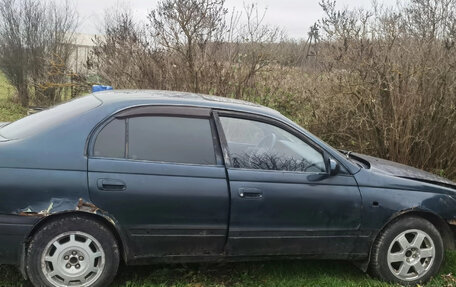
(154, 176)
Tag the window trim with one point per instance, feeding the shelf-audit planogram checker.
(157, 111)
(267, 120)
(142, 111)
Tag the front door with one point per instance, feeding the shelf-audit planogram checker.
(159, 172)
(281, 201)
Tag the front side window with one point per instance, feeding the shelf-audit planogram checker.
(258, 145)
(158, 138)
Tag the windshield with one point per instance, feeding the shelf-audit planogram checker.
(37, 122)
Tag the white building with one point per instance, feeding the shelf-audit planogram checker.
(84, 43)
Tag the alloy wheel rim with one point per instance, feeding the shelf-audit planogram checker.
(411, 255)
(73, 259)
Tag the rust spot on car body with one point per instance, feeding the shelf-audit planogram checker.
(86, 206)
(34, 214)
(57, 205)
(43, 213)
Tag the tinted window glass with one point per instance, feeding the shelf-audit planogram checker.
(171, 139)
(257, 145)
(111, 140)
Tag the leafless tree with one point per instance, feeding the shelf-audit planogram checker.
(123, 56)
(35, 37)
(190, 45)
(187, 27)
(383, 82)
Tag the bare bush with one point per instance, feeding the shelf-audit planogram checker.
(185, 29)
(380, 81)
(389, 82)
(189, 45)
(122, 55)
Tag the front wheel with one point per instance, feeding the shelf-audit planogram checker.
(72, 251)
(408, 252)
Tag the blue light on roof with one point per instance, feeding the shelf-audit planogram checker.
(99, 88)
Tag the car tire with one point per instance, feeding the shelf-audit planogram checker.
(74, 250)
(408, 252)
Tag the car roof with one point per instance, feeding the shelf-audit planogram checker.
(133, 97)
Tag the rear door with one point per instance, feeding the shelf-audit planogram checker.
(282, 200)
(159, 172)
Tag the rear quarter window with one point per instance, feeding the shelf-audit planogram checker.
(111, 142)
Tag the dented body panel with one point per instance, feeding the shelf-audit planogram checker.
(36, 193)
(386, 197)
(172, 212)
(386, 167)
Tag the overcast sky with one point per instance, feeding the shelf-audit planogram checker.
(293, 16)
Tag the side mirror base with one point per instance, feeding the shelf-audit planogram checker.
(334, 167)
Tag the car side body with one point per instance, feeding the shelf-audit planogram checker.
(180, 212)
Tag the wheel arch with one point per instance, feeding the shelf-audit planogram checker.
(439, 223)
(104, 220)
(448, 237)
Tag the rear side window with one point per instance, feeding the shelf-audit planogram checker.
(158, 138)
(171, 139)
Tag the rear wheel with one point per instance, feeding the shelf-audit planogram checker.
(409, 251)
(72, 251)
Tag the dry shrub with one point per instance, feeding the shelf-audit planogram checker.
(391, 82)
(190, 45)
(383, 82)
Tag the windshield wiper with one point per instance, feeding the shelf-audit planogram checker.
(348, 156)
(346, 153)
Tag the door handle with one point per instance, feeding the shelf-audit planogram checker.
(111, 184)
(250, 193)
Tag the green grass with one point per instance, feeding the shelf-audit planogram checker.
(9, 110)
(5, 88)
(291, 273)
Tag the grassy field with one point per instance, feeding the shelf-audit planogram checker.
(9, 110)
(265, 274)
